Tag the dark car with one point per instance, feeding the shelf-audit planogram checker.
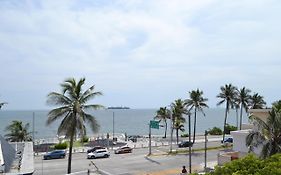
(185, 144)
(227, 140)
(57, 154)
(124, 149)
(94, 149)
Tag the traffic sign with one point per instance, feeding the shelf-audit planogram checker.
(154, 124)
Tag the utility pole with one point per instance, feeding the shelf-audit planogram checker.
(205, 167)
(149, 135)
(33, 119)
(189, 139)
(171, 141)
(113, 129)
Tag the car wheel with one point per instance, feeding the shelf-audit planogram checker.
(93, 157)
(106, 156)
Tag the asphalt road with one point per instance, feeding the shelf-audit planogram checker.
(136, 163)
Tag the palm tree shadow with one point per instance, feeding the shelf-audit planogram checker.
(153, 161)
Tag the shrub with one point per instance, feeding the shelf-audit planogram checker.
(184, 135)
(250, 165)
(62, 145)
(229, 128)
(215, 131)
(84, 139)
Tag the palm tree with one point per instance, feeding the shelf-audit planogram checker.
(162, 115)
(72, 107)
(267, 134)
(178, 110)
(196, 101)
(257, 101)
(2, 104)
(18, 132)
(243, 99)
(277, 105)
(228, 95)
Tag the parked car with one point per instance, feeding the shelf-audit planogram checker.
(227, 140)
(57, 154)
(95, 148)
(124, 149)
(185, 144)
(98, 153)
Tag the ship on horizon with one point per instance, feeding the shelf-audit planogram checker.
(118, 107)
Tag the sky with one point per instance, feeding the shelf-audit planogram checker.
(140, 53)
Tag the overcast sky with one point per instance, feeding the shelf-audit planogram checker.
(141, 54)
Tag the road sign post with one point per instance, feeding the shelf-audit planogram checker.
(155, 125)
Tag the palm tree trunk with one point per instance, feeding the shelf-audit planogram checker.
(225, 117)
(241, 110)
(70, 153)
(194, 128)
(177, 133)
(165, 129)
(237, 117)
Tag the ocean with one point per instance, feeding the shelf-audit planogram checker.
(129, 121)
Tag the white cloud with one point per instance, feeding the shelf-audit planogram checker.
(132, 48)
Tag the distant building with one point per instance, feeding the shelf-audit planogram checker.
(16, 158)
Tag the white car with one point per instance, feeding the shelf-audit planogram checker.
(98, 153)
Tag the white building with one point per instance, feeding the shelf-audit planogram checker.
(239, 137)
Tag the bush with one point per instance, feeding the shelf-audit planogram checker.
(250, 165)
(84, 139)
(184, 135)
(215, 131)
(62, 145)
(229, 128)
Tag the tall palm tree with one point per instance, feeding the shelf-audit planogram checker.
(163, 114)
(18, 132)
(257, 101)
(72, 110)
(243, 98)
(267, 134)
(227, 95)
(178, 110)
(196, 101)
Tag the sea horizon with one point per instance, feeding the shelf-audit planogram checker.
(129, 121)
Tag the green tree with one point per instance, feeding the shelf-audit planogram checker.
(196, 101)
(2, 104)
(277, 105)
(72, 107)
(267, 134)
(18, 132)
(163, 114)
(227, 95)
(257, 102)
(178, 110)
(243, 99)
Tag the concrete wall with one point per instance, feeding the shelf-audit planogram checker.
(239, 140)
(8, 153)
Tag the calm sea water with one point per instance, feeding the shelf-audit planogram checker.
(131, 121)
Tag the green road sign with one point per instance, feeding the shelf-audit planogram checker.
(154, 124)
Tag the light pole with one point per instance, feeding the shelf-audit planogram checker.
(33, 119)
(189, 139)
(205, 167)
(149, 135)
(113, 127)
